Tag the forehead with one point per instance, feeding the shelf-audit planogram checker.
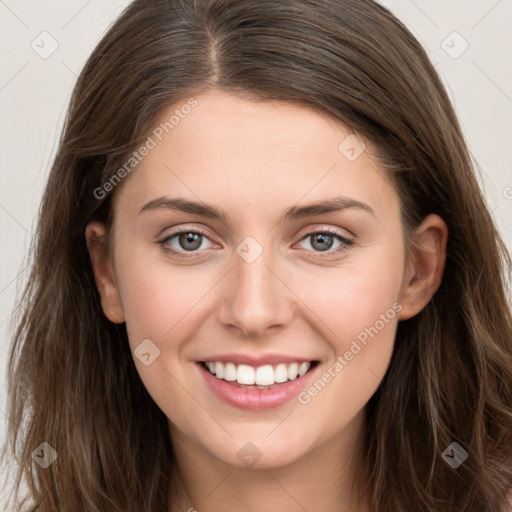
(233, 151)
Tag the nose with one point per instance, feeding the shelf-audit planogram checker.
(256, 299)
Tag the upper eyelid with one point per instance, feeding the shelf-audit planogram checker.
(332, 231)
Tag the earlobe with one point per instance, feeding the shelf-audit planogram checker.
(425, 267)
(96, 239)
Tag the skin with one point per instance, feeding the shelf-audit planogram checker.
(254, 160)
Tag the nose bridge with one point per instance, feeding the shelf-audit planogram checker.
(255, 299)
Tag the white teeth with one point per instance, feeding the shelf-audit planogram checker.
(219, 370)
(281, 373)
(264, 375)
(293, 370)
(260, 377)
(303, 368)
(244, 374)
(230, 372)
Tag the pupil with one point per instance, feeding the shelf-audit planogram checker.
(323, 240)
(194, 239)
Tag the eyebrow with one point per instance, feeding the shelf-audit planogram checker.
(294, 213)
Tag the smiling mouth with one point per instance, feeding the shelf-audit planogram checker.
(261, 377)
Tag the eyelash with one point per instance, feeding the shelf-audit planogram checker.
(346, 242)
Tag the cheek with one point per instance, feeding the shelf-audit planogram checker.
(360, 316)
(354, 296)
(358, 307)
(159, 299)
(162, 304)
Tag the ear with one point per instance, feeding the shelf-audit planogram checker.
(425, 266)
(96, 238)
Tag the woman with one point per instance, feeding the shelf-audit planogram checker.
(264, 278)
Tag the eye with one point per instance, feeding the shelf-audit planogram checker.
(323, 241)
(184, 241)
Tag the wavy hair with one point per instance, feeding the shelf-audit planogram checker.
(72, 381)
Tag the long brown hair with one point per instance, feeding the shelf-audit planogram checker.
(72, 379)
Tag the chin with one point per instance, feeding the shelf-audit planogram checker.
(255, 448)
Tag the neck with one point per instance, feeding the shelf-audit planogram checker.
(323, 479)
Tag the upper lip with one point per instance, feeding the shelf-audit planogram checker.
(256, 361)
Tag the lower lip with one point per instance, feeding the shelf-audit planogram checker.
(256, 399)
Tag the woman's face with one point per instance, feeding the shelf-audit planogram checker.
(258, 282)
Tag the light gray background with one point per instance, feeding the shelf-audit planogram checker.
(34, 93)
